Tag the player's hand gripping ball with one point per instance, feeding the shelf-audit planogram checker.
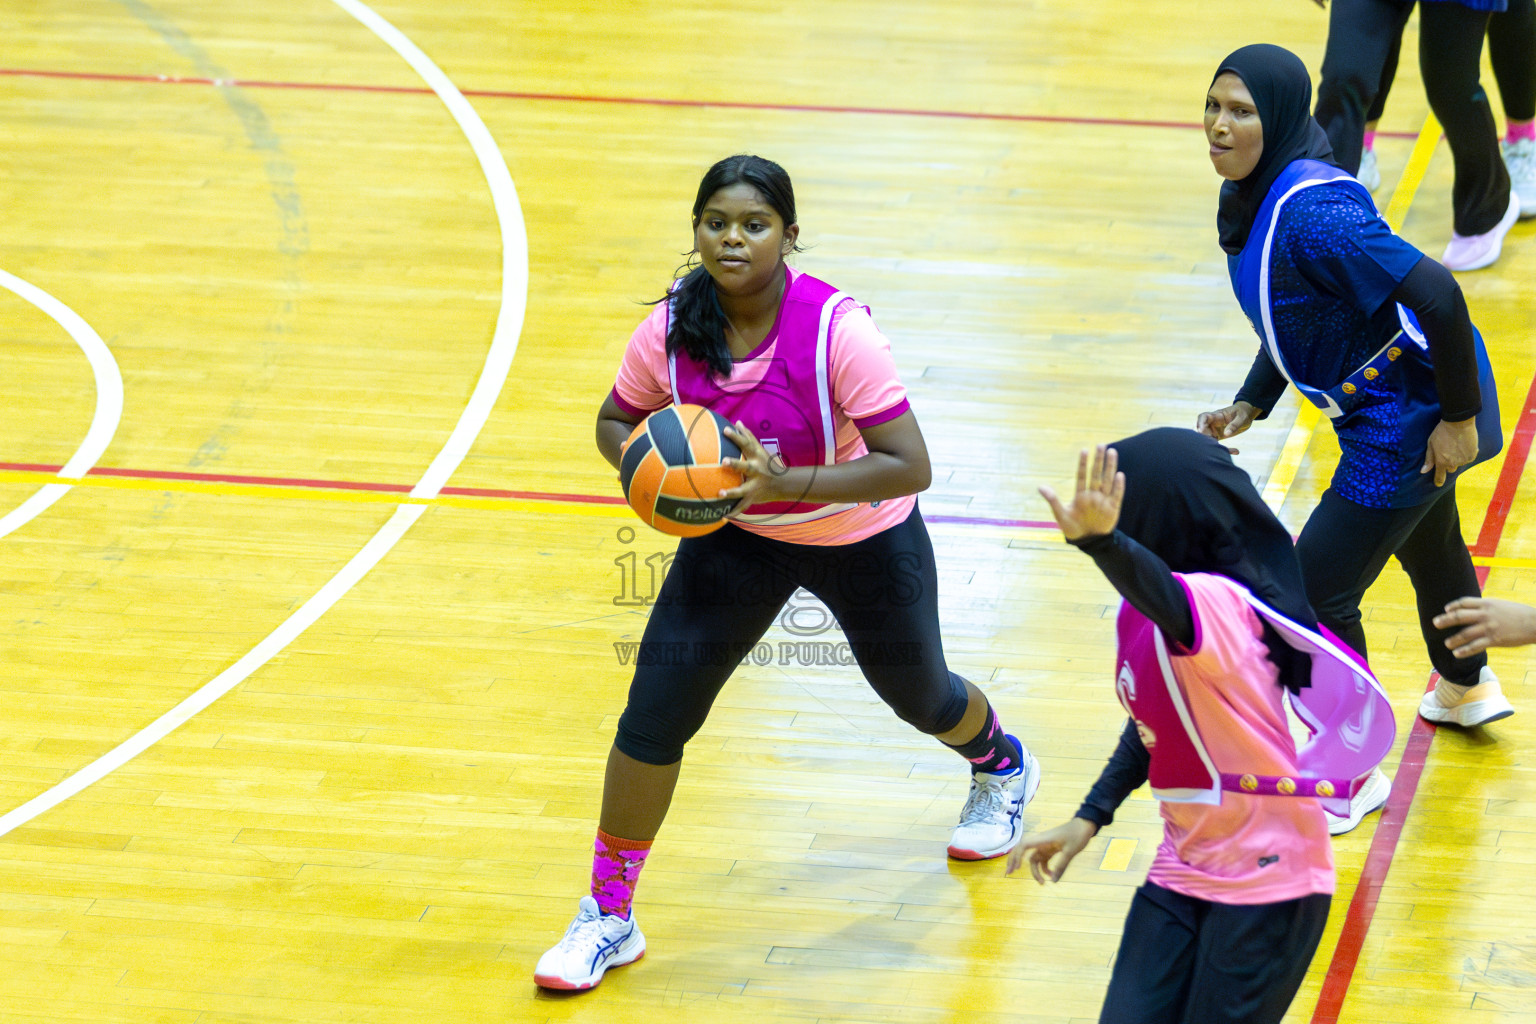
(672, 472)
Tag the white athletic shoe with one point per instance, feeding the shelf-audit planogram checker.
(1482, 703)
(593, 943)
(1520, 159)
(1372, 797)
(1474, 252)
(992, 821)
(1370, 173)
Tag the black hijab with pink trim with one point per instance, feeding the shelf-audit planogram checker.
(1187, 503)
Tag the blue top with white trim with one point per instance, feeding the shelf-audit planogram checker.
(1315, 280)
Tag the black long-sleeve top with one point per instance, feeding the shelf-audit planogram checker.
(1437, 301)
(1144, 580)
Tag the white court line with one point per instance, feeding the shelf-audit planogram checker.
(514, 250)
(109, 401)
(509, 324)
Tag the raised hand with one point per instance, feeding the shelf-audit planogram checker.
(1095, 507)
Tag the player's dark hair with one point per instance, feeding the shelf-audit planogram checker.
(697, 323)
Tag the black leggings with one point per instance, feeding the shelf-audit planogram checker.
(1512, 52)
(724, 590)
(1363, 36)
(1189, 961)
(1344, 547)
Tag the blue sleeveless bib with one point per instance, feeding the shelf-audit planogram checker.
(1402, 363)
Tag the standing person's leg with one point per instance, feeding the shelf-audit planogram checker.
(1370, 170)
(1342, 549)
(1512, 51)
(1388, 75)
(1450, 57)
(1362, 37)
(1250, 960)
(1436, 559)
(720, 596)
(1153, 967)
(1437, 562)
(884, 593)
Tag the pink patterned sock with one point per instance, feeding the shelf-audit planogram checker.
(992, 750)
(1370, 141)
(1520, 130)
(616, 865)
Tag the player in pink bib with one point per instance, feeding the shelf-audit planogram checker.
(832, 459)
(1215, 639)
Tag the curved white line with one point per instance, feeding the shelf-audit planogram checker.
(509, 321)
(514, 251)
(109, 401)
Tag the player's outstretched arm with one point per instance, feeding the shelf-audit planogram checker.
(1050, 852)
(1486, 622)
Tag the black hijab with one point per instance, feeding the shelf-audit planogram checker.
(1187, 503)
(1282, 92)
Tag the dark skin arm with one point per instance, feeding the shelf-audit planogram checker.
(614, 426)
(897, 463)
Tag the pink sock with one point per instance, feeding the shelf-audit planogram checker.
(1520, 131)
(992, 750)
(1370, 141)
(616, 865)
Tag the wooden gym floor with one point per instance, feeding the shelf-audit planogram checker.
(316, 591)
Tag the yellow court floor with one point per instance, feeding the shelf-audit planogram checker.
(316, 592)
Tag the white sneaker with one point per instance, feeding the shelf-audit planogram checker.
(1482, 703)
(1372, 797)
(1370, 173)
(1520, 159)
(992, 821)
(593, 943)
(1474, 252)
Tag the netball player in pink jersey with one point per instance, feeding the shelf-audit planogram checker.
(832, 459)
(1215, 637)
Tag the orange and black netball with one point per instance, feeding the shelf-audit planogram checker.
(672, 470)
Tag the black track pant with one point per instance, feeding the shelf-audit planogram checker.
(1189, 961)
(1362, 39)
(1512, 52)
(724, 590)
(1344, 547)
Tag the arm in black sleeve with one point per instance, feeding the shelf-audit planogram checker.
(1122, 776)
(1264, 386)
(1144, 580)
(1435, 298)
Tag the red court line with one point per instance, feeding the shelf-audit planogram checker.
(328, 485)
(486, 492)
(231, 478)
(474, 492)
(1378, 861)
(1405, 784)
(1509, 477)
(649, 101)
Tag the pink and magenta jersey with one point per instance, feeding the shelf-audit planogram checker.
(1226, 714)
(823, 371)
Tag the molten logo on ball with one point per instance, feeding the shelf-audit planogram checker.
(672, 470)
